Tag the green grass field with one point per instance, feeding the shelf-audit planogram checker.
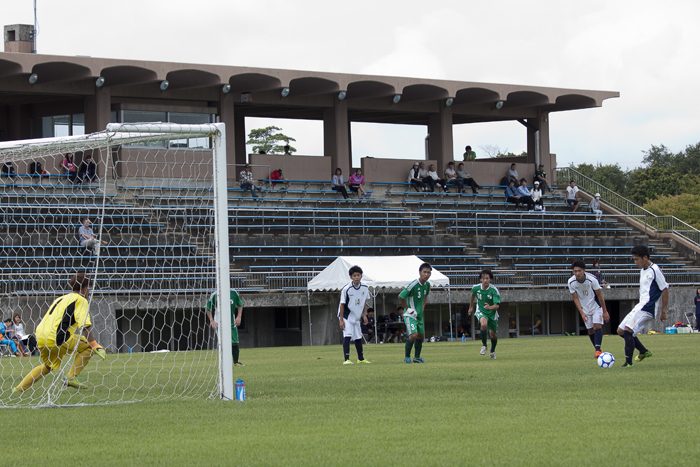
(543, 402)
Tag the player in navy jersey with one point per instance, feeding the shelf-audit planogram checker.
(588, 297)
(652, 287)
(352, 308)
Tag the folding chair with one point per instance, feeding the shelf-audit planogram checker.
(5, 351)
(689, 315)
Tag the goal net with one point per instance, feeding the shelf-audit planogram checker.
(140, 210)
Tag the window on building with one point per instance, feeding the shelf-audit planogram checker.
(58, 125)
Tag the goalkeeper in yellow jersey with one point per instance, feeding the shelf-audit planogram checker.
(57, 335)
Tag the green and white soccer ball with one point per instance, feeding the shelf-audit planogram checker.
(606, 360)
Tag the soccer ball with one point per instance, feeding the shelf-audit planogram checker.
(606, 360)
(432, 339)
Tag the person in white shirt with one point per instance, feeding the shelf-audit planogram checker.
(451, 177)
(512, 174)
(413, 178)
(426, 178)
(352, 308)
(572, 196)
(652, 287)
(438, 181)
(536, 195)
(594, 206)
(589, 301)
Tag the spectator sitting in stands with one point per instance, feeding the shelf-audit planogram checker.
(537, 329)
(246, 181)
(6, 336)
(452, 178)
(469, 155)
(536, 195)
(70, 168)
(337, 183)
(276, 176)
(414, 179)
(286, 150)
(512, 195)
(572, 195)
(356, 181)
(87, 238)
(438, 181)
(525, 196)
(27, 341)
(541, 176)
(468, 180)
(599, 275)
(88, 169)
(8, 170)
(426, 178)
(512, 174)
(594, 206)
(369, 327)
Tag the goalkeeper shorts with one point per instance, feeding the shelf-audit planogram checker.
(52, 355)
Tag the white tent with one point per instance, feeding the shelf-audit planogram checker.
(378, 272)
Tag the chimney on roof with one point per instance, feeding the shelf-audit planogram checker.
(19, 38)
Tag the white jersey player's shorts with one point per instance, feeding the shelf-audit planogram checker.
(594, 318)
(352, 330)
(636, 319)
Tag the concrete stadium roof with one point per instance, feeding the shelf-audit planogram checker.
(369, 98)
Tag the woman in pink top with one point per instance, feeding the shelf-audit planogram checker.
(356, 181)
(69, 167)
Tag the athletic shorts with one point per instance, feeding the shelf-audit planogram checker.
(491, 320)
(414, 325)
(571, 202)
(636, 319)
(52, 355)
(352, 330)
(595, 318)
(234, 334)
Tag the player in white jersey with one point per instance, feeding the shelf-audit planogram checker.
(352, 309)
(652, 286)
(588, 297)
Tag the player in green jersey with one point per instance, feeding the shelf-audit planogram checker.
(488, 301)
(236, 315)
(412, 299)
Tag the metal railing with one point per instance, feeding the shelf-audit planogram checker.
(296, 281)
(660, 224)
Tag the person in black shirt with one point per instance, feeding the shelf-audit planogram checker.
(369, 327)
(541, 176)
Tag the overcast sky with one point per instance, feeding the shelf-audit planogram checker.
(647, 50)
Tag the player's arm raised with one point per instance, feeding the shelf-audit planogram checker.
(577, 302)
(599, 294)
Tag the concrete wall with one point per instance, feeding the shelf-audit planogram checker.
(294, 167)
(390, 170)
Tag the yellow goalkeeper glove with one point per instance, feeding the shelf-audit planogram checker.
(98, 350)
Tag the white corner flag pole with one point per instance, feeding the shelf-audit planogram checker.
(223, 274)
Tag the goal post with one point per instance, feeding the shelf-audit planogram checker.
(148, 191)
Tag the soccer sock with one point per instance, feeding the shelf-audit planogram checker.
(358, 347)
(483, 337)
(235, 351)
(592, 338)
(638, 345)
(494, 341)
(419, 347)
(36, 374)
(629, 347)
(409, 346)
(346, 347)
(80, 361)
(598, 338)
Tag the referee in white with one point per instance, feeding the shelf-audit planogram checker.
(352, 307)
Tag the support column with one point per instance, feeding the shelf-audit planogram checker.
(440, 146)
(98, 112)
(228, 117)
(538, 137)
(336, 137)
